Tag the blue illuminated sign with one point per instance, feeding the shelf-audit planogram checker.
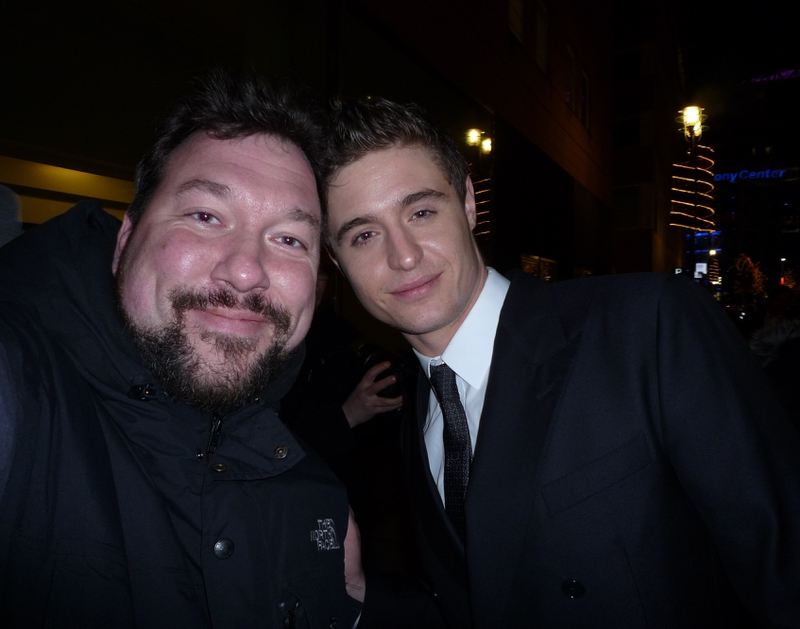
(750, 174)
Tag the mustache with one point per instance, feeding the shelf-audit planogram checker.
(183, 300)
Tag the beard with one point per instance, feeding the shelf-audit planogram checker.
(234, 374)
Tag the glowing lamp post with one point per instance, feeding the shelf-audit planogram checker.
(692, 180)
(692, 118)
(474, 137)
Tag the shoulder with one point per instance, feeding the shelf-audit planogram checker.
(607, 287)
(71, 239)
(627, 296)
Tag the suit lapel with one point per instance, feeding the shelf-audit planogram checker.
(530, 363)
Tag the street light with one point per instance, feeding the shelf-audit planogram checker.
(474, 137)
(692, 202)
(692, 118)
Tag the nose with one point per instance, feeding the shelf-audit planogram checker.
(404, 253)
(242, 264)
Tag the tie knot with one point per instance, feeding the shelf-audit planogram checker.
(443, 380)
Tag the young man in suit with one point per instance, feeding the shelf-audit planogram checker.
(594, 453)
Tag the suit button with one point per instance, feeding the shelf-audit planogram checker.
(573, 588)
(281, 452)
(223, 548)
(219, 467)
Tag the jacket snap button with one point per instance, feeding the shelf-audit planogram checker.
(281, 452)
(573, 588)
(219, 467)
(223, 548)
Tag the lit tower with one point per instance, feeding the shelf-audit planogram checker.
(692, 180)
(480, 164)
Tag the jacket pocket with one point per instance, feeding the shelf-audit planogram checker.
(600, 474)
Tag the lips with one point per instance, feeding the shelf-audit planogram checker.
(230, 321)
(416, 288)
(236, 314)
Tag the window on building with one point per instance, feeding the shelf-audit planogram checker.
(583, 105)
(569, 88)
(543, 268)
(516, 17)
(541, 36)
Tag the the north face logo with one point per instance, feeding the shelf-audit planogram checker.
(325, 535)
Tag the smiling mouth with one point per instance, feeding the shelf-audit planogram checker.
(416, 288)
(223, 311)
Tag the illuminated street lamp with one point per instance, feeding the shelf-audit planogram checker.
(474, 137)
(692, 181)
(692, 119)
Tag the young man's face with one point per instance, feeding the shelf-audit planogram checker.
(220, 270)
(404, 241)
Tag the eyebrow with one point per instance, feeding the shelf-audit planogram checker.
(419, 196)
(353, 223)
(304, 216)
(407, 200)
(206, 185)
(222, 191)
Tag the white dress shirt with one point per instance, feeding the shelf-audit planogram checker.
(469, 355)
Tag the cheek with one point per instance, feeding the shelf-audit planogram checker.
(364, 272)
(294, 287)
(151, 268)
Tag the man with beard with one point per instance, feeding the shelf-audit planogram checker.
(145, 478)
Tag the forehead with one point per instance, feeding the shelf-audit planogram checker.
(256, 171)
(386, 176)
(253, 162)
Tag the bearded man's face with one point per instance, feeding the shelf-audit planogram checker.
(217, 278)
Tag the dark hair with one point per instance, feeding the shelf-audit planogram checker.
(374, 124)
(227, 105)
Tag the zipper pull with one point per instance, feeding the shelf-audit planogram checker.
(213, 436)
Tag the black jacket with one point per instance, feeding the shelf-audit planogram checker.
(631, 470)
(108, 517)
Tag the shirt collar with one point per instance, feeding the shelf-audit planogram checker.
(469, 352)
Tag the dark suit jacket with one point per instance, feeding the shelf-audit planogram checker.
(630, 470)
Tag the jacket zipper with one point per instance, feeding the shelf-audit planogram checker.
(213, 437)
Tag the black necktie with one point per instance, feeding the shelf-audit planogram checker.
(457, 446)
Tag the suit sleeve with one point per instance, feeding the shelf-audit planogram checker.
(733, 448)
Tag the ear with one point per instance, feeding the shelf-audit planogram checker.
(469, 205)
(122, 241)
